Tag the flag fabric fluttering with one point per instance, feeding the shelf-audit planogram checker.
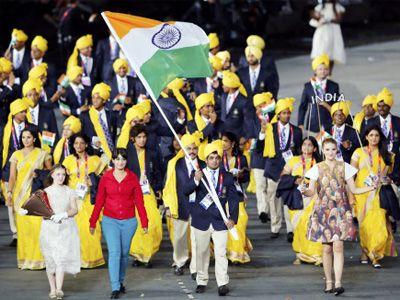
(159, 51)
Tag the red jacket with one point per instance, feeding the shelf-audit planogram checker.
(119, 199)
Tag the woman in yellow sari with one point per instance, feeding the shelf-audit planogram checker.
(80, 166)
(374, 162)
(306, 250)
(145, 165)
(23, 163)
(235, 162)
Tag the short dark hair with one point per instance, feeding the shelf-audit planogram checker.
(136, 130)
(119, 151)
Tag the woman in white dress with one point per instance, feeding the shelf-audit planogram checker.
(328, 35)
(59, 237)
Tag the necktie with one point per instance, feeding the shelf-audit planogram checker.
(17, 60)
(338, 137)
(123, 88)
(106, 133)
(33, 117)
(85, 65)
(253, 80)
(282, 139)
(385, 128)
(228, 103)
(319, 91)
(214, 180)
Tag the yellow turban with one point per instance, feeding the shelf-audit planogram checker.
(322, 59)
(386, 96)
(215, 146)
(188, 139)
(5, 65)
(145, 105)
(73, 72)
(135, 112)
(120, 62)
(32, 84)
(359, 117)
(203, 99)
(231, 80)
(344, 106)
(74, 124)
(19, 35)
(40, 43)
(281, 105)
(224, 56)
(262, 98)
(255, 40)
(17, 106)
(214, 40)
(253, 50)
(38, 71)
(216, 63)
(175, 85)
(83, 42)
(103, 90)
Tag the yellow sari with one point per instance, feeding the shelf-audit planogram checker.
(29, 256)
(376, 237)
(91, 251)
(144, 246)
(238, 251)
(306, 250)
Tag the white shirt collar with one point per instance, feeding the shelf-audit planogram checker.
(37, 62)
(388, 119)
(205, 119)
(21, 51)
(234, 95)
(341, 128)
(101, 112)
(257, 70)
(76, 87)
(283, 126)
(20, 125)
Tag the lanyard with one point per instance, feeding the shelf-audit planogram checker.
(78, 173)
(226, 163)
(15, 138)
(372, 162)
(220, 181)
(66, 148)
(291, 137)
(304, 164)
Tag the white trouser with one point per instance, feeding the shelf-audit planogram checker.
(220, 239)
(261, 191)
(275, 208)
(180, 243)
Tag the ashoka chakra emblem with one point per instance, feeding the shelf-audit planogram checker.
(167, 37)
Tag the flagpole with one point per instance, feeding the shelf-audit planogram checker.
(205, 182)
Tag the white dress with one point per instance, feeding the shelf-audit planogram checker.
(59, 243)
(328, 37)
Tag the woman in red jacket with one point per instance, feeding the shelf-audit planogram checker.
(119, 193)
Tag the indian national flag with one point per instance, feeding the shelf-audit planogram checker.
(158, 51)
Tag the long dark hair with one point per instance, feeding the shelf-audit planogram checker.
(89, 149)
(33, 131)
(382, 145)
(49, 180)
(315, 154)
(233, 139)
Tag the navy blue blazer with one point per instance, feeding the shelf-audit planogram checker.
(239, 118)
(113, 83)
(202, 218)
(182, 176)
(170, 107)
(199, 86)
(365, 124)
(210, 132)
(23, 70)
(47, 121)
(103, 59)
(350, 134)
(264, 82)
(307, 101)
(94, 76)
(274, 166)
(241, 164)
(72, 101)
(395, 132)
(151, 164)
(7, 96)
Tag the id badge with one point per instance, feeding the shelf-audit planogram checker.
(390, 147)
(81, 190)
(86, 81)
(253, 144)
(287, 155)
(145, 187)
(206, 202)
(369, 181)
(192, 197)
(238, 187)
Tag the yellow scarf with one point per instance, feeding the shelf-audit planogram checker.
(269, 142)
(6, 140)
(170, 196)
(358, 118)
(94, 118)
(58, 150)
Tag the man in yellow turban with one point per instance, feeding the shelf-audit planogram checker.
(40, 72)
(204, 213)
(82, 56)
(319, 93)
(9, 90)
(99, 123)
(365, 117)
(345, 136)
(123, 94)
(72, 125)
(177, 203)
(214, 43)
(389, 123)
(225, 57)
(18, 55)
(281, 140)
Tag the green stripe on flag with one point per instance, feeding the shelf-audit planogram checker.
(166, 65)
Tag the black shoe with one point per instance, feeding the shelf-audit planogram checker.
(339, 290)
(122, 289)
(274, 235)
(114, 295)
(223, 290)
(148, 265)
(135, 263)
(200, 289)
(13, 243)
(193, 275)
(290, 237)
(263, 217)
(178, 271)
